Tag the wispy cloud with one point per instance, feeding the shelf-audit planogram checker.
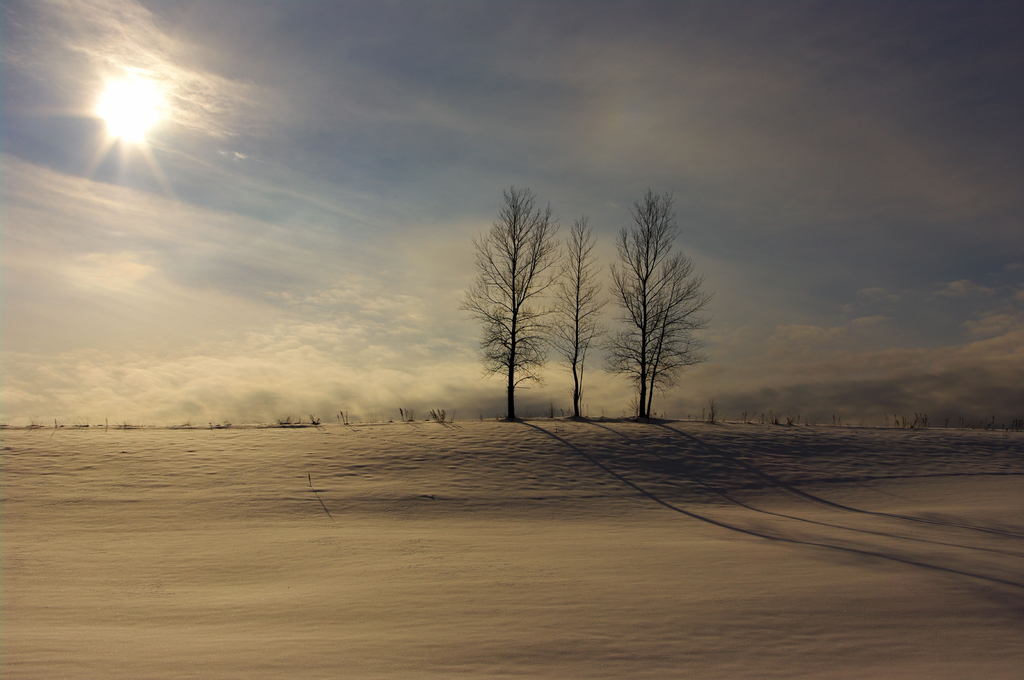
(284, 369)
(962, 288)
(978, 379)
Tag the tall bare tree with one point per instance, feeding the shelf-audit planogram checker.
(661, 299)
(577, 304)
(513, 263)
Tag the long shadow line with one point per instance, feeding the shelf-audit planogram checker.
(731, 499)
(317, 494)
(871, 532)
(758, 534)
(818, 499)
(876, 478)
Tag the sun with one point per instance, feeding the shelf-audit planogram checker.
(130, 107)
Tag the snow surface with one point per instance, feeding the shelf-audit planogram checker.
(546, 549)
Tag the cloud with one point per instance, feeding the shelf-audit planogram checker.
(995, 323)
(877, 294)
(233, 155)
(869, 322)
(177, 312)
(297, 368)
(787, 338)
(53, 217)
(285, 369)
(964, 288)
(97, 265)
(119, 271)
(977, 379)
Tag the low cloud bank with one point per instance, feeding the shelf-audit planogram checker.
(288, 371)
(975, 381)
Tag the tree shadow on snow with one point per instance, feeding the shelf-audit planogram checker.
(730, 498)
(764, 534)
(782, 484)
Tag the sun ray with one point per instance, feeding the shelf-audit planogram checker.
(101, 152)
(158, 173)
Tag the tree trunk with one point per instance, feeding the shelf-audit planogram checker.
(641, 410)
(575, 393)
(576, 354)
(511, 408)
(644, 349)
(650, 395)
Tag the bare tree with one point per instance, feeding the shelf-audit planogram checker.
(512, 262)
(660, 297)
(577, 304)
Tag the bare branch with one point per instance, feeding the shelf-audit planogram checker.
(660, 299)
(514, 262)
(577, 304)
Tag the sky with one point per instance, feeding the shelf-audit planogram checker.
(294, 236)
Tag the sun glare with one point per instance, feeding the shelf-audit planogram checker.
(130, 107)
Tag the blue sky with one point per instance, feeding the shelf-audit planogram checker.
(295, 236)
